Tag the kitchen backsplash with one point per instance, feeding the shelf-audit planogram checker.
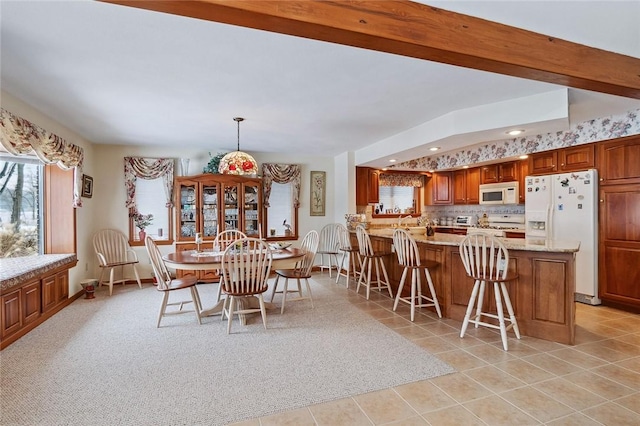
(433, 212)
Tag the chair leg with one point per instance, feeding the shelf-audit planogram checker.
(433, 292)
(163, 307)
(219, 292)
(275, 287)
(400, 287)
(467, 315)
(362, 272)
(512, 315)
(415, 282)
(386, 278)
(344, 254)
(284, 294)
(503, 327)
(232, 303)
(196, 303)
(135, 272)
(101, 275)
(263, 311)
(478, 316)
(111, 276)
(306, 280)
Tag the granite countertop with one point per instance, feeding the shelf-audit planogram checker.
(17, 270)
(549, 246)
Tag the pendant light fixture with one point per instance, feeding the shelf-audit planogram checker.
(238, 162)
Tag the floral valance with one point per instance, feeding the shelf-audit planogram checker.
(400, 179)
(281, 173)
(21, 137)
(147, 168)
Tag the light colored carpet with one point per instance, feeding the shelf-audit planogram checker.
(103, 361)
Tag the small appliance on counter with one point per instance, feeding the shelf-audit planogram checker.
(465, 221)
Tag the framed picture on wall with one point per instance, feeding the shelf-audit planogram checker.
(318, 193)
(87, 186)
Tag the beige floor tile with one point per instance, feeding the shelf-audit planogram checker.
(524, 371)
(341, 412)
(613, 414)
(631, 402)
(461, 360)
(600, 350)
(633, 339)
(413, 421)
(578, 358)
(537, 404)
(569, 394)
(600, 329)
(459, 342)
(300, 417)
(253, 422)
(380, 313)
(460, 387)
(631, 364)
(384, 406)
(496, 411)
(453, 416)
(542, 345)
(552, 364)
(618, 345)
(490, 354)
(585, 336)
(625, 323)
(424, 396)
(620, 375)
(395, 322)
(494, 378)
(600, 385)
(438, 328)
(413, 332)
(434, 344)
(517, 348)
(575, 419)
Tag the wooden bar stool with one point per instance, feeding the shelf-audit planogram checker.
(409, 258)
(350, 254)
(486, 259)
(370, 258)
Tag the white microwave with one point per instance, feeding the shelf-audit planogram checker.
(499, 193)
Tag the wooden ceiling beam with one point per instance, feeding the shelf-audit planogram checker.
(421, 31)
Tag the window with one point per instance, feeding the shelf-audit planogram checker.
(21, 212)
(149, 203)
(396, 199)
(281, 212)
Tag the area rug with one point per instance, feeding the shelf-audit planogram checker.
(103, 361)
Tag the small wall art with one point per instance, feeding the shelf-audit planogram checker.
(87, 186)
(318, 193)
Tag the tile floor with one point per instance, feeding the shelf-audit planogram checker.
(595, 382)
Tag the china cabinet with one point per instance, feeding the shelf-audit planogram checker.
(211, 203)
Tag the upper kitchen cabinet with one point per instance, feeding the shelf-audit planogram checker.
(562, 160)
(502, 172)
(524, 171)
(466, 186)
(441, 188)
(619, 161)
(211, 203)
(367, 188)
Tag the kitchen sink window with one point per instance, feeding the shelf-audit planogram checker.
(399, 193)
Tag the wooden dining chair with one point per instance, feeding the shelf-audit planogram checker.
(328, 245)
(301, 271)
(245, 267)
(113, 252)
(220, 243)
(351, 254)
(167, 284)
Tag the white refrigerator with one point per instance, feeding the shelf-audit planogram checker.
(564, 207)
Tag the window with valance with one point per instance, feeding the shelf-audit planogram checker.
(149, 191)
(281, 187)
(399, 193)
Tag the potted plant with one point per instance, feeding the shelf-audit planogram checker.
(142, 221)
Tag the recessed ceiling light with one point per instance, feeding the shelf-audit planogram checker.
(522, 157)
(515, 132)
(384, 168)
(393, 160)
(465, 167)
(434, 148)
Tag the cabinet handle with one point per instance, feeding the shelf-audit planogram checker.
(601, 179)
(562, 164)
(602, 201)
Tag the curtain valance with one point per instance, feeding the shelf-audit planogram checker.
(21, 137)
(147, 168)
(281, 173)
(400, 179)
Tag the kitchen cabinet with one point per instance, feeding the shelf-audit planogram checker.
(367, 186)
(502, 172)
(55, 289)
(466, 186)
(571, 159)
(20, 307)
(211, 203)
(522, 173)
(619, 161)
(441, 187)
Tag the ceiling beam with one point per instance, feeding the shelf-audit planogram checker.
(421, 31)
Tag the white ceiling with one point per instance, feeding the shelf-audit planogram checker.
(120, 75)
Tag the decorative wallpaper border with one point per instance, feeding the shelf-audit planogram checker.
(586, 132)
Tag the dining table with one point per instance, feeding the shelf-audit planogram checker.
(205, 260)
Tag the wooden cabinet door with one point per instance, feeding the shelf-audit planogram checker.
(460, 187)
(187, 193)
(473, 185)
(522, 173)
(11, 312)
(508, 172)
(49, 293)
(575, 158)
(373, 191)
(31, 301)
(619, 161)
(542, 163)
(362, 186)
(619, 245)
(489, 174)
(62, 286)
(442, 188)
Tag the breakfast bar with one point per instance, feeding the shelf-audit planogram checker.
(542, 296)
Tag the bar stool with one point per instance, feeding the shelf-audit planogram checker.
(486, 259)
(370, 258)
(349, 253)
(409, 258)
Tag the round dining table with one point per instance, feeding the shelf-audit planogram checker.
(206, 260)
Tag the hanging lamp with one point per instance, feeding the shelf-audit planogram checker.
(238, 162)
